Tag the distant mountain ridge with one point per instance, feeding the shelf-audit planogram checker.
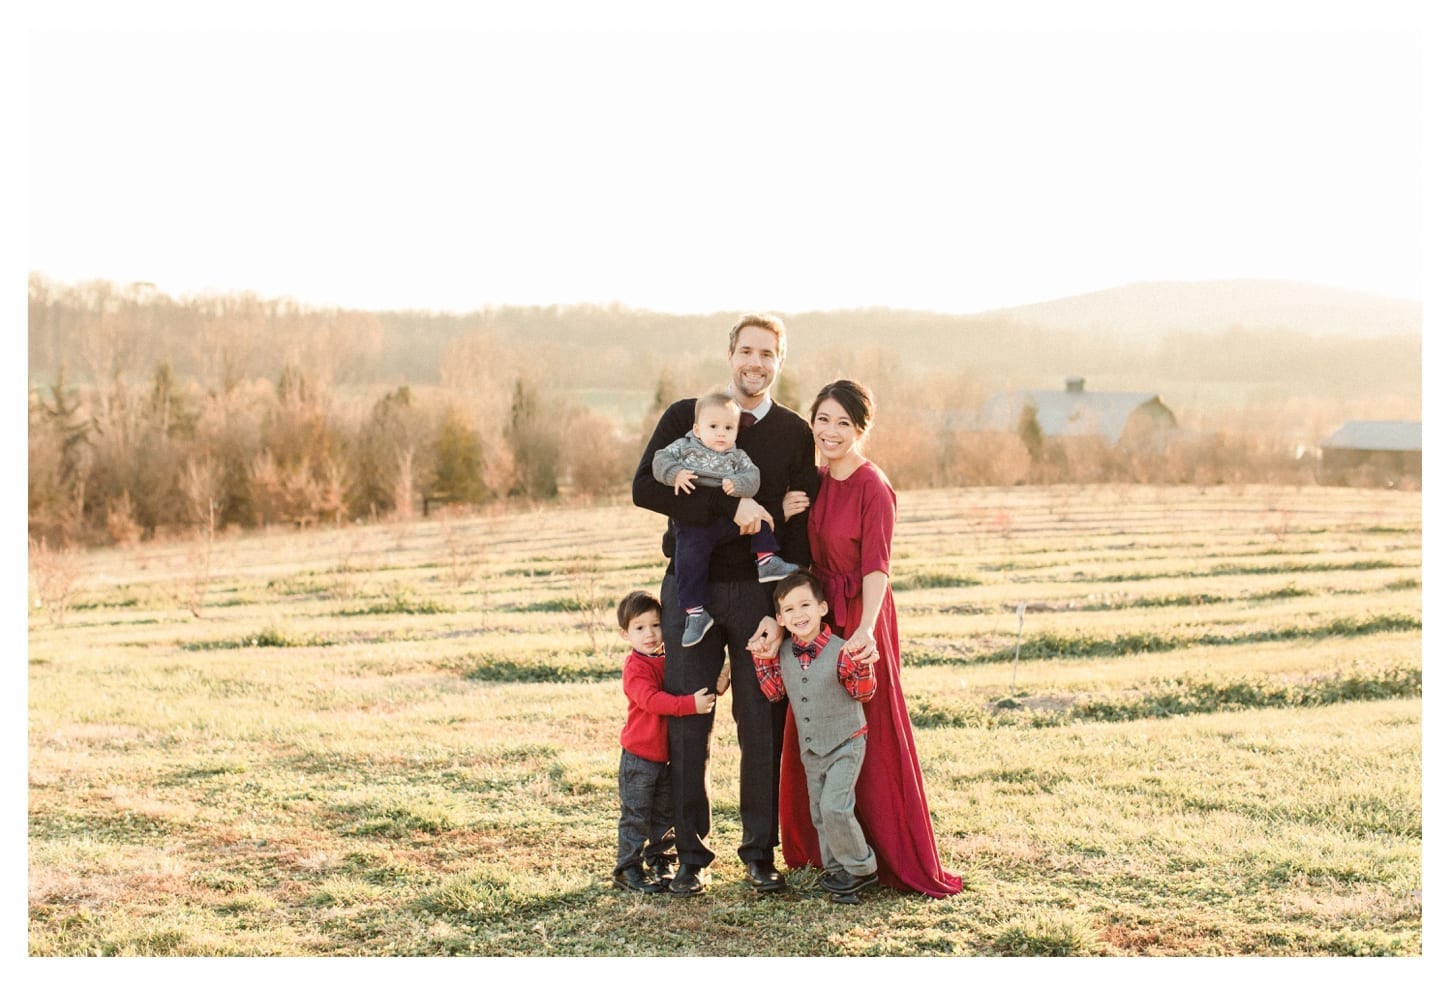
(1154, 308)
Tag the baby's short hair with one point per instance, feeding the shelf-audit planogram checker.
(795, 580)
(634, 605)
(717, 398)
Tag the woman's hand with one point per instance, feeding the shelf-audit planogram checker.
(722, 683)
(765, 643)
(794, 503)
(861, 647)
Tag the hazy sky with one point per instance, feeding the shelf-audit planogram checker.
(712, 169)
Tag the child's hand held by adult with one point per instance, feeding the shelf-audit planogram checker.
(765, 644)
(861, 647)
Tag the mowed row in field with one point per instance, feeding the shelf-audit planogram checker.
(1200, 736)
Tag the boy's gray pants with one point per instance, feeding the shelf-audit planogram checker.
(831, 785)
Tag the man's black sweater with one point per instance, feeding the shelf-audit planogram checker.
(780, 445)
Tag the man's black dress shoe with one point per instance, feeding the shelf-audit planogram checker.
(763, 876)
(636, 880)
(689, 880)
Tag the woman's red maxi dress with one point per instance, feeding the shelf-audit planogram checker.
(851, 521)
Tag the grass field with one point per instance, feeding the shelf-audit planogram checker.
(402, 739)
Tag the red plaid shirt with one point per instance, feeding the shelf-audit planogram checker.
(859, 679)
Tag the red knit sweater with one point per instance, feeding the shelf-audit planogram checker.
(645, 731)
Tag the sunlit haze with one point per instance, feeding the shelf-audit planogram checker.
(698, 171)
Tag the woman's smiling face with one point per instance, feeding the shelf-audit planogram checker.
(835, 433)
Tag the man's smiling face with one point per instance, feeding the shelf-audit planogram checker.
(754, 362)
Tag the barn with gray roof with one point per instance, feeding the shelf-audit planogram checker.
(1076, 411)
(1378, 452)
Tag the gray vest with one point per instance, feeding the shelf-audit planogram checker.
(825, 713)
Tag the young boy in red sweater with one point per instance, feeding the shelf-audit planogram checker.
(646, 825)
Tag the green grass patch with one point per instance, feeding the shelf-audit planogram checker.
(1203, 696)
(546, 605)
(1083, 646)
(933, 579)
(1221, 570)
(1174, 697)
(572, 668)
(1045, 935)
(401, 604)
(269, 636)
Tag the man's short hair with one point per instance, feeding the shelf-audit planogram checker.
(634, 605)
(795, 580)
(716, 398)
(770, 323)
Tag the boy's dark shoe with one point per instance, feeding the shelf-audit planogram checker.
(690, 880)
(697, 624)
(635, 879)
(845, 884)
(763, 876)
(663, 870)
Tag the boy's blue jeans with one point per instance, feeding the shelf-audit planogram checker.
(646, 812)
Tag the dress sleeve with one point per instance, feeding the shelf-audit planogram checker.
(878, 522)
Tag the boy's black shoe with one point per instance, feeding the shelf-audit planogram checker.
(844, 884)
(636, 880)
(689, 880)
(663, 870)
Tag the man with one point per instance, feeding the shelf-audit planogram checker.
(779, 442)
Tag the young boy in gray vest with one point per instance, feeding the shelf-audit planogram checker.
(826, 690)
(707, 455)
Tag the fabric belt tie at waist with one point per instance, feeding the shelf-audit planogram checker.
(838, 588)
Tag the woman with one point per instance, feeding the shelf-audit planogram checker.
(850, 532)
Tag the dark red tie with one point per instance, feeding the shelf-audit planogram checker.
(746, 419)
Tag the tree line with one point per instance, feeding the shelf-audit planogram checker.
(152, 415)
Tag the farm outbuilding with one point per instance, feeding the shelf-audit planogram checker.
(1371, 453)
(1075, 411)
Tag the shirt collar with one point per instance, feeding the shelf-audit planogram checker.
(761, 409)
(819, 642)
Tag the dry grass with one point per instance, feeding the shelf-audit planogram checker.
(357, 750)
